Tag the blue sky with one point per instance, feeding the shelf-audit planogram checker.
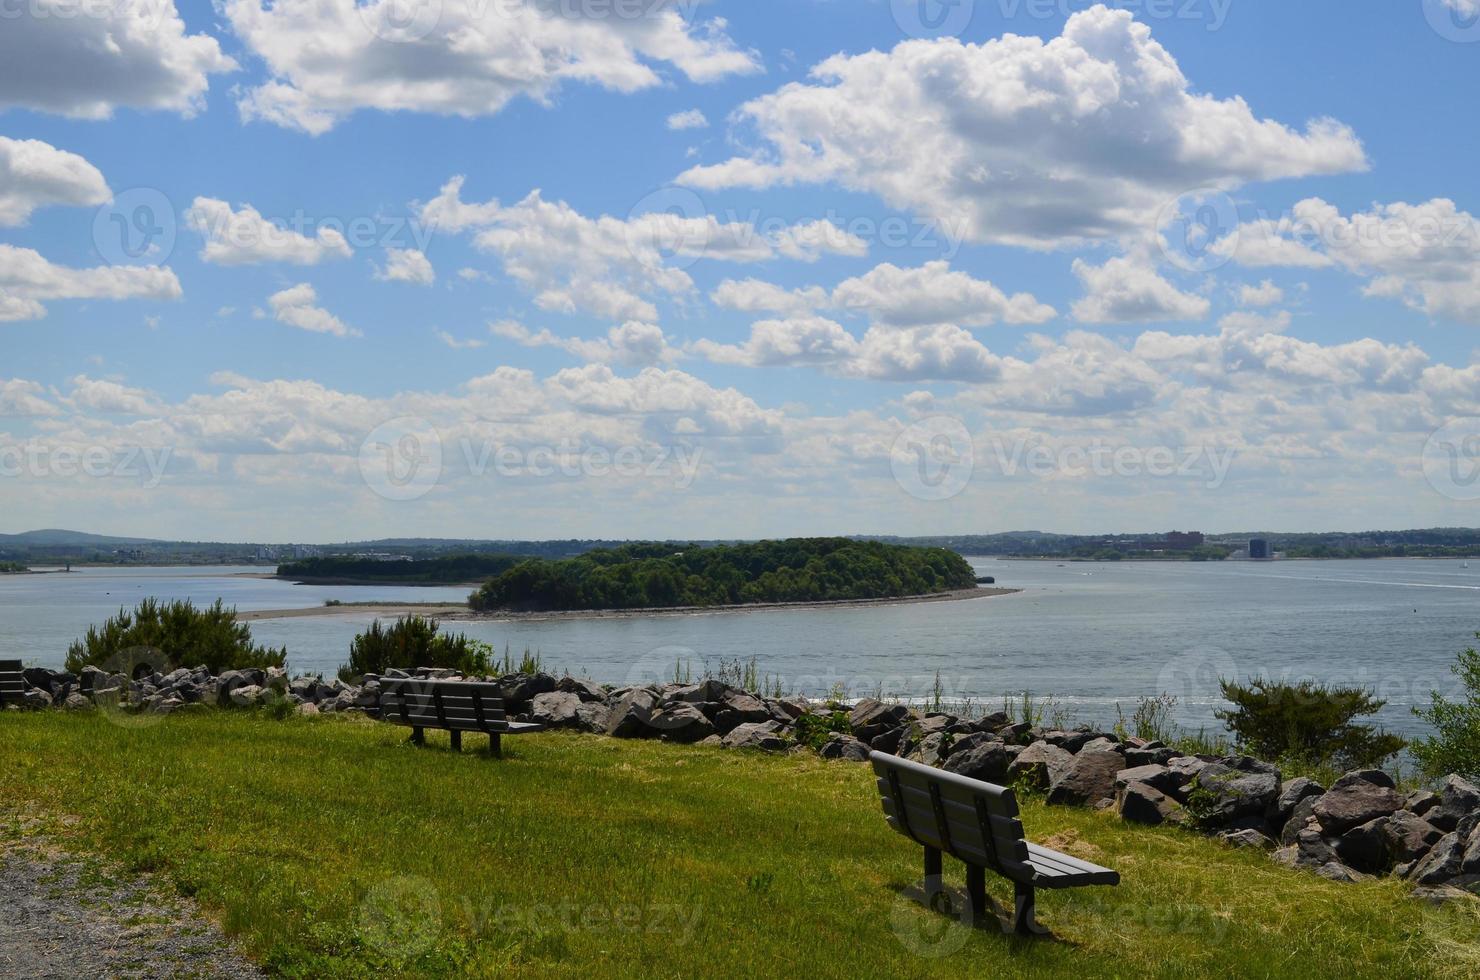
(999, 269)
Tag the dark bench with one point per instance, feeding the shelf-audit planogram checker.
(451, 706)
(12, 682)
(978, 824)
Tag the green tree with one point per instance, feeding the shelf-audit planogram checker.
(169, 635)
(1455, 746)
(412, 642)
(1307, 723)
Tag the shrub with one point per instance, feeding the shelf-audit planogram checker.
(1455, 746)
(169, 635)
(412, 642)
(1152, 719)
(1307, 723)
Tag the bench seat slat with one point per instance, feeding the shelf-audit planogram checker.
(1068, 872)
(452, 724)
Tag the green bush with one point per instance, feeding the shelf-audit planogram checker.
(1307, 724)
(170, 635)
(411, 642)
(1455, 746)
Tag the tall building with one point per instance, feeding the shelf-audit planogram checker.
(1258, 549)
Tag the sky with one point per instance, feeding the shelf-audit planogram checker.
(316, 270)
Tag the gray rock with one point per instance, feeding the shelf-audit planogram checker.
(248, 696)
(1440, 864)
(1016, 733)
(556, 709)
(277, 680)
(1139, 803)
(987, 760)
(1089, 779)
(970, 740)
(592, 716)
(1310, 850)
(76, 702)
(1068, 741)
(931, 750)
(681, 722)
(1186, 768)
(1292, 791)
(1150, 755)
(760, 735)
(1040, 764)
(308, 709)
(871, 718)
(1442, 894)
(1458, 798)
(1336, 871)
(519, 690)
(1420, 802)
(1155, 776)
(629, 717)
(887, 741)
(1357, 798)
(1247, 838)
(845, 747)
(1239, 787)
(1300, 817)
(1410, 836)
(1470, 863)
(740, 709)
(586, 690)
(1365, 847)
(1102, 744)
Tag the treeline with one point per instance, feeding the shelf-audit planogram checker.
(448, 570)
(665, 575)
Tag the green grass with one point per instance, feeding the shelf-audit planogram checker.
(331, 848)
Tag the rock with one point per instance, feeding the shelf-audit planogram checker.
(1140, 803)
(592, 716)
(740, 709)
(1442, 894)
(845, 747)
(1410, 836)
(932, 750)
(871, 718)
(990, 724)
(308, 710)
(1155, 776)
(1310, 850)
(1184, 769)
(887, 741)
(756, 735)
(1365, 847)
(303, 687)
(1102, 744)
(629, 716)
(1440, 864)
(1458, 798)
(1247, 838)
(1015, 733)
(555, 709)
(248, 696)
(76, 702)
(1149, 755)
(708, 690)
(681, 722)
(1068, 741)
(934, 722)
(1336, 871)
(277, 680)
(1040, 764)
(1292, 791)
(1237, 787)
(1357, 798)
(1300, 817)
(1420, 801)
(970, 740)
(519, 690)
(586, 690)
(1090, 778)
(786, 710)
(713, 741)
(1470, 863)
(987, 760)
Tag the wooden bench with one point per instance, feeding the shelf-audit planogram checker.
(977, 823)
(12, 682)
(451, 706)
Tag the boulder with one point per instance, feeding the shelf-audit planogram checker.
(592, 716)
(1292, 791)
(991, 723)
(277, 679)
(308, 709)
(519, 690)
(1140, 803)
(931, 750)
(1336, 871)
(1184, 769)
(1458, 798)
(845, 747)
(681, 722)
(1247, 838)
(1154, 754)
(629, 716)
(76, 702)
(970, 740)
(1016, 733)
(737, 709)
(1040, 764)
(555, 709)
(1310, 850)
(1470, 863)
(1365, 847)
(1237, 787)
(1442, 894)
(1300, 817)
(760, 735)
(887, 741)
(1068, 741)
(1101, 743)
(1440, 864)
(586, 690)
(1357, 798)
(1155, 776)
(1410, 836)
(1420, 801)
(1089, 779)
(987, 760)
(871, 718)
(248, 696)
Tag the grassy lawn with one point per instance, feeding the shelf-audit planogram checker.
(331, 848)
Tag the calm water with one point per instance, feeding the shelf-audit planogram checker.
(1090, 635)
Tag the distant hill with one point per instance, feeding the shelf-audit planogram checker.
(56, 538)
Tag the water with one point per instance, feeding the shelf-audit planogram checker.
(1090, 635)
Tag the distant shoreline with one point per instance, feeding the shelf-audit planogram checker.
(453, 613)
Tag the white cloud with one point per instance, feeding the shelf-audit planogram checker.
(244, 237)
(1264, 294)
(1034, 143)
(756, 296)
(27, 280)
(688, 119)
(1127, 289)
(786, 343)
(934, 294)
(472, 343)
(633, 343)
(407, 265)
(34, 175)
(86, 61)
(327, 60)
(297, 306)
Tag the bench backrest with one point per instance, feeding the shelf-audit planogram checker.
(975, 822)
(12, 681)
(427, 703)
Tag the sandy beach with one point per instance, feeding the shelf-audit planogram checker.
(462, 613)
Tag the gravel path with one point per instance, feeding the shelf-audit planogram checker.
(62, 918)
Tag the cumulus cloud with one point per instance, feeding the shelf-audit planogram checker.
(122, 54)
(1127, 289)
(458, 343)
(297, 306)
(407, 265)
(934, 294)
(244, 237)
(1030, 142)
(34, 175)
(633, 343)
(1264, 294)
(27, 280)
(688, 119)
(327, 60)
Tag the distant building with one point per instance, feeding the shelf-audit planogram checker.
(1184, 540)
(1259, 549)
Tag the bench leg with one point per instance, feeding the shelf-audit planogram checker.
(935, 887)
(1023, 923)
(976, 893)
(418, 736)
(456, 741)
(495, 746)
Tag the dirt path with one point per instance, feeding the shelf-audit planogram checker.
(62, 918)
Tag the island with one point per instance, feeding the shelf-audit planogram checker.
(463, 569)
